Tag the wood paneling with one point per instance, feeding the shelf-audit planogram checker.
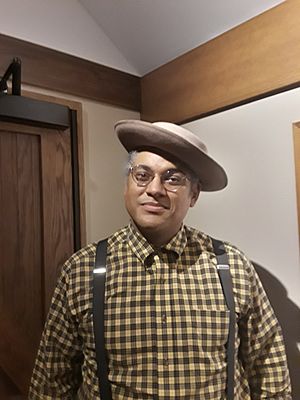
(20, 249)
(36, 237)
(57, 197)
(20, 241)
(257, 58)
(51, 69)
(7, 388)
(17, 358)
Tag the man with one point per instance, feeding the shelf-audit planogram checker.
(166, 319)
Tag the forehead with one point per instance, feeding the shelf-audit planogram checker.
(153, 161)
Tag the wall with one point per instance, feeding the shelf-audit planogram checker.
(258, 210)
(63, 25)
(105, 160)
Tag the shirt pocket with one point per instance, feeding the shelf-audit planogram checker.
(210, 329)
(209, 334)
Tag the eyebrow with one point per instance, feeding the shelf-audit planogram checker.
(173, 169)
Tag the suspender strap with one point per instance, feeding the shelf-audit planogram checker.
(99, 274)
(226, 282)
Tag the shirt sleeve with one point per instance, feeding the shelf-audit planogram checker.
(262, 349)
(57, 371)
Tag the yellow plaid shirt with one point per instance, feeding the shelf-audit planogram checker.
(166, 326)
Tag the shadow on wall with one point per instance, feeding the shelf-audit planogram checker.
(288, 315)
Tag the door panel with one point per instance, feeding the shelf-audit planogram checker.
(36, 237)
(57, 206)
(8, 389)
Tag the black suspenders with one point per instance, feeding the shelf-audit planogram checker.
(99, 274)
(226, 282)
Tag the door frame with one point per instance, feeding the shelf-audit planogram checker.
(76, 126)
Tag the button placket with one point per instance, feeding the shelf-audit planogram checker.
(162, 301)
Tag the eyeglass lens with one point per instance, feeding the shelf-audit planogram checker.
(171, 179)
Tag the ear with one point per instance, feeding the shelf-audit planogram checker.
(195, 192)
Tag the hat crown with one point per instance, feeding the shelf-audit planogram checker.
(183, 133)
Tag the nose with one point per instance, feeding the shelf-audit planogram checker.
(155, 187)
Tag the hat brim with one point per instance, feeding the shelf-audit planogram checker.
(141, 135)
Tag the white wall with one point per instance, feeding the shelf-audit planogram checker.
(257, 211)
(105, 160)
(62, 25)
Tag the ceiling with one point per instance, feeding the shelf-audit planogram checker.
(149, 33)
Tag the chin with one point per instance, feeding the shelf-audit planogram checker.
(149, 225)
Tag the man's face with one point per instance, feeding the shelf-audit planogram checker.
(158, 213)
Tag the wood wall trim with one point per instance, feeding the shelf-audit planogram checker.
(251, 61)
(51, 69)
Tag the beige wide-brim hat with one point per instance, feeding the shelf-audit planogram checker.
(171, 140)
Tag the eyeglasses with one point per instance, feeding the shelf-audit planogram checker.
(171, 179)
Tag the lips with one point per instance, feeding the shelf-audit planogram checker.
(153, 207)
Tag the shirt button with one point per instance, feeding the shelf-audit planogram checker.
(150, 271)
(166, 362)
(164, 318)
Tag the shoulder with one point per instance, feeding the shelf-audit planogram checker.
(83, 260)
(76, 276)
(247, 286)
(236, 256)
(80, 261)
(239, 262)
(241, 267)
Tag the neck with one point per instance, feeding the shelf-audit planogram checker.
(157, 238)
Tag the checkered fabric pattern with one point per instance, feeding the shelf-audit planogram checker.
(166, 326)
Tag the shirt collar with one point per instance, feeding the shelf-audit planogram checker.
(138, 243)
(143, 249)
(178, 242)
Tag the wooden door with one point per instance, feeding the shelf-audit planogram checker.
(36, 237)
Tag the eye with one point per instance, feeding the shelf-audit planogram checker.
(142, 175)
(174, 178)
